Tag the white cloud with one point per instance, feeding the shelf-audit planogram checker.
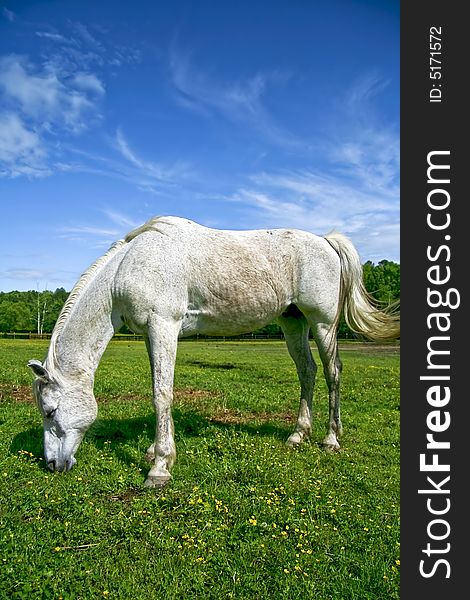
(37, 95)
(88, 82)
(41, 96)
(39, 107)
(21, 150)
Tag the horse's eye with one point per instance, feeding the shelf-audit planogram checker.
(51, 413)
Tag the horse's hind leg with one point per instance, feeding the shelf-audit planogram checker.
(295, 328)
(161, 343)
(325, 337)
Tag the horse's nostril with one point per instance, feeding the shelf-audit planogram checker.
(51, 465)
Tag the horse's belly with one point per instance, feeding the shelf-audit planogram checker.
(220, 319)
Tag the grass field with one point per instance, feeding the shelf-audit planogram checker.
(243, 517)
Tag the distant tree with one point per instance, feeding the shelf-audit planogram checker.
(15, 316)
(30, 311)
(271, 330)
(382, 280)
(55, 301)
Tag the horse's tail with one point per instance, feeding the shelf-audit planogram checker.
(362, 313)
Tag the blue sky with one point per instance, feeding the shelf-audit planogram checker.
(238, 115)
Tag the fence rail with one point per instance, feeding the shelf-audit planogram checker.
(135, 337)
(125, 337)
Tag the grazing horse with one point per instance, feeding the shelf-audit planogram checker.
(173, 278)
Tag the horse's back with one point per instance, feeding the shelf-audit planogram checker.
(219, 280)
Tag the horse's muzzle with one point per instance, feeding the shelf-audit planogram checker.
(61, 466)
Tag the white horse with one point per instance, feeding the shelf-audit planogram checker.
(173, 278)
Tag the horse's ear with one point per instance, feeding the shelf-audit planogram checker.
(40, 371)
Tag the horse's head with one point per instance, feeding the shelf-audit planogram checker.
(68, 407)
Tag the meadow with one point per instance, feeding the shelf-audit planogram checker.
(243, 517)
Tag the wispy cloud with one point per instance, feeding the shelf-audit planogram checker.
(90, 231)
(55, 37)
(149, 172)
(365, 147)
(319, 203)
(82, 47)
(123, 221)
(19, 274)
(363, 91)
(8, 14)
(373, 157)
(358, 189)
(108, 225)
(241, 101)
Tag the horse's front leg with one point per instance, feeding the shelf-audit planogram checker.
(161, 346)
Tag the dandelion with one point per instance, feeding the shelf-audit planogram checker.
(252, 521)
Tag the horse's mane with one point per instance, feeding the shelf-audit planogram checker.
(85, 279)
(151, 225)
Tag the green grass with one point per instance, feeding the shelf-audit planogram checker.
(243, 516)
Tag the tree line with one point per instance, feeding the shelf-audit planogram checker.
(37, 311)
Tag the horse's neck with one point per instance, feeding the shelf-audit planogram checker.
(87, 330)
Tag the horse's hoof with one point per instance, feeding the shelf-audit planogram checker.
(294, 440)
(331, 447)
(156, 482)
